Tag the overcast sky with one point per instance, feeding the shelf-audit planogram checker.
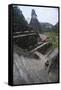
(44, 14)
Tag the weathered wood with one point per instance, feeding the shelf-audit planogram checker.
(52, 65)
(24, 32)
(52, 57)
(40, 46)
(23, 35)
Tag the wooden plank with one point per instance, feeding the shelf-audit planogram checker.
(23, 32)
(40, 46)
(23, 35)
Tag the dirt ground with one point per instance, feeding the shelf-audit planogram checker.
(29, 70)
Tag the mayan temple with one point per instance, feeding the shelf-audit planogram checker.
(34, 22)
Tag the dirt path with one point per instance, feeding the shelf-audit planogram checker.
(29, 70)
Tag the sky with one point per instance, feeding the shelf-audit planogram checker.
(44, 14)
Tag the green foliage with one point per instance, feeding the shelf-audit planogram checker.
(19, 21)
(53, 38)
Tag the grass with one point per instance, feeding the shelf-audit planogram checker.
(53, 38)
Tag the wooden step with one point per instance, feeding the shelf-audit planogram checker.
(38, 47)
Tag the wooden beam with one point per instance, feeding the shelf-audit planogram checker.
(23, 35)
(40, 46)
